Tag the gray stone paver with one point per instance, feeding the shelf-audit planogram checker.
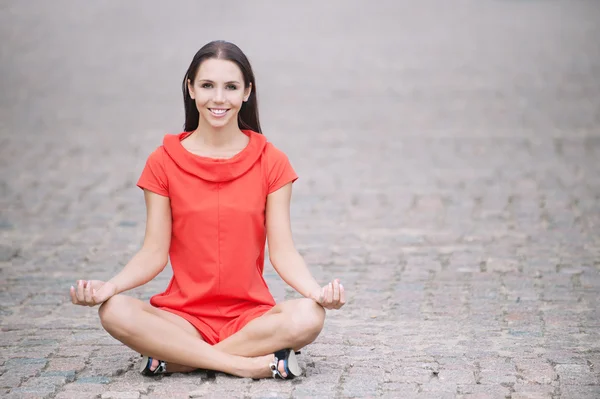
(449, 158)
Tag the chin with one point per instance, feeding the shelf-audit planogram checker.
(219, 124)
(215, 123)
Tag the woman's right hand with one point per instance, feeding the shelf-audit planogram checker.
(92, 292)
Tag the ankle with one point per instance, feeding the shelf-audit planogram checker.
(242, 367)
(258, 367)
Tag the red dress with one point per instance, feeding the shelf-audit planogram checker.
(218, 234)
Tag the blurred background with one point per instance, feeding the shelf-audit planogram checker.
(449, 163)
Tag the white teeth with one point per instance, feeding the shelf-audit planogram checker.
(218, 111)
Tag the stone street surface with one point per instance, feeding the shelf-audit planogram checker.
(449, 163)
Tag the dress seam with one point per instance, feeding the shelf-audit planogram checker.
(219, 242)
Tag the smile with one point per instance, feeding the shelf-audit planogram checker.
(218, 111)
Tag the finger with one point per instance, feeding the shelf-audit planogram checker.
(97, 284)
(342, 295)
(95, 295)
(79, 292)
(329, 294)
(91, 291)
(336, 291)
(72, 294)
(322, 297)
(87, 293)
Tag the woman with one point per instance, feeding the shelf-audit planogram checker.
(214, 194)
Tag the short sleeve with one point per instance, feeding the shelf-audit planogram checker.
(154, 177)
(280, 171)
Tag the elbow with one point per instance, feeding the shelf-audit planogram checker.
(162, 259)
(157, 258)
(163, 264)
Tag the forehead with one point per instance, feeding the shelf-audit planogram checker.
(219, 70)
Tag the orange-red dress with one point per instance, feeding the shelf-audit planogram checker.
(218, 234)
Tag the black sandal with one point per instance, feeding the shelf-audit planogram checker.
(146, 363)
(290, 364)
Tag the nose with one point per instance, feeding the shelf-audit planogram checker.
(219, 98)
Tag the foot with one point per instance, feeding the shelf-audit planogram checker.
(154, 365)
(261, 367)
(150, 366)
(280, 367)
(287, 364)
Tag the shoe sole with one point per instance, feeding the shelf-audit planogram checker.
(293, 365)
(143, 364)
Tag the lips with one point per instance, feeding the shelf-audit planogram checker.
(218, 112)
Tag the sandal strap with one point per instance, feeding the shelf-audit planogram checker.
(160, 369)
(281, 355)
(275, 369)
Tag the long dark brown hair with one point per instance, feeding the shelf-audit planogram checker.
(248, 115)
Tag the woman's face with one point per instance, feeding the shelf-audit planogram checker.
(219, 92)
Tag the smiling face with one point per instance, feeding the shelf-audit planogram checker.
(218, 91)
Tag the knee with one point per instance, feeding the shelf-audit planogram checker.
(116, 315)
(307, 321)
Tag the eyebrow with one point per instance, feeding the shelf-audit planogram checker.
(210, 81)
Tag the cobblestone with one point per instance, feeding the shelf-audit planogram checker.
(120, 395)
(449, 175)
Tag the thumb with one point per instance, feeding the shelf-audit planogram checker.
(102, 294)
(316, 296)
(321, 296)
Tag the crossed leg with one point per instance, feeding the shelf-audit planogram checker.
(247, 353)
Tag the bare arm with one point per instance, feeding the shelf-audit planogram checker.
(286, 260)
(152, 258)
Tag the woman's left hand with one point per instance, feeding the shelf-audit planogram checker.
(332, 295)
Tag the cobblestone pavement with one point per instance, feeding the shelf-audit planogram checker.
(449, 157)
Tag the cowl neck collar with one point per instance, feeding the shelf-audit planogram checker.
(213, 169)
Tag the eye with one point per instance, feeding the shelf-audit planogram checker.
(206, 85)
(231, 87)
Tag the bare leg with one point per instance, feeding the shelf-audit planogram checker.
(290, 324)
(128, 320)
(181, 323)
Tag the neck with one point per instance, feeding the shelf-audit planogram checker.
(216, 137)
